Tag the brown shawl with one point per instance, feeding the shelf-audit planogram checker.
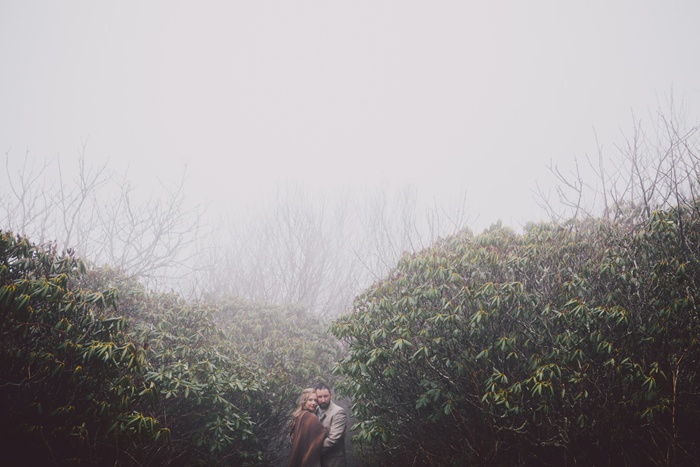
(307, 438)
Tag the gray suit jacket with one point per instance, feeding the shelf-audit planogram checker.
(333, 450)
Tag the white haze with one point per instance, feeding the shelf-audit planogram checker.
(453, 97)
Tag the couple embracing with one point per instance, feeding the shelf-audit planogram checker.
(318, 430)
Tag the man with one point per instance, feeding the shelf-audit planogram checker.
(333, 419)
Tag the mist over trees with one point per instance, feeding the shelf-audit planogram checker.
(181, 340)
(576, 342)
(291, 248)
(97, 370)
(133, 332)
(655, 166)
(98, 214)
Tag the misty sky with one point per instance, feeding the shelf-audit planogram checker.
(453, 97)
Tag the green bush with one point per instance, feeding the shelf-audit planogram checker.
(67, 364)
(96, 370)
(293, 350)
(564, 345)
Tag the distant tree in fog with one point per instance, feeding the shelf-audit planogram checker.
(573, 343)
(291, 250)
(97, 214)
(392, 224)
(657, 166)
(315, 251)
(295, 248)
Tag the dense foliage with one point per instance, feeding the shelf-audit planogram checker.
(565, 345)
(95, 370)
(292, 348)
(568, 344)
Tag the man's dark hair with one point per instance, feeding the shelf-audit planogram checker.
(321, 385)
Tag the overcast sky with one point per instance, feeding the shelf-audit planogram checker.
(453, 97)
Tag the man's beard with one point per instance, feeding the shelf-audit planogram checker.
(324, 406)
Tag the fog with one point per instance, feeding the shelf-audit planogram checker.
(458, 107)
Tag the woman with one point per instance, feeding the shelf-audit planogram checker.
(307, 433)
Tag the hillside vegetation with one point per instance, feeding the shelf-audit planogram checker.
(564, 345)
(568, 344)
(95, 370)
(573, 342)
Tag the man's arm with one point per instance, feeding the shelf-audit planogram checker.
(336, 430)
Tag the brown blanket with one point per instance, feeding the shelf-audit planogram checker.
(307, 438)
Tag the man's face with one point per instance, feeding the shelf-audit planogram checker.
(324, 398)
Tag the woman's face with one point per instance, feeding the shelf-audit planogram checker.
(311, 403)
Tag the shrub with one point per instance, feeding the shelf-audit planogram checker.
(564, 345)
(67, 364)
(293, 349)
(96, 370)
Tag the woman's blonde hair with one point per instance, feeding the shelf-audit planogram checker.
(302, 401)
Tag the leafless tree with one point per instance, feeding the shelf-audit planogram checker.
(646, 172)
(394, 223)
(25, 198)
(96, 214)
(290, 249)
(319, 251)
